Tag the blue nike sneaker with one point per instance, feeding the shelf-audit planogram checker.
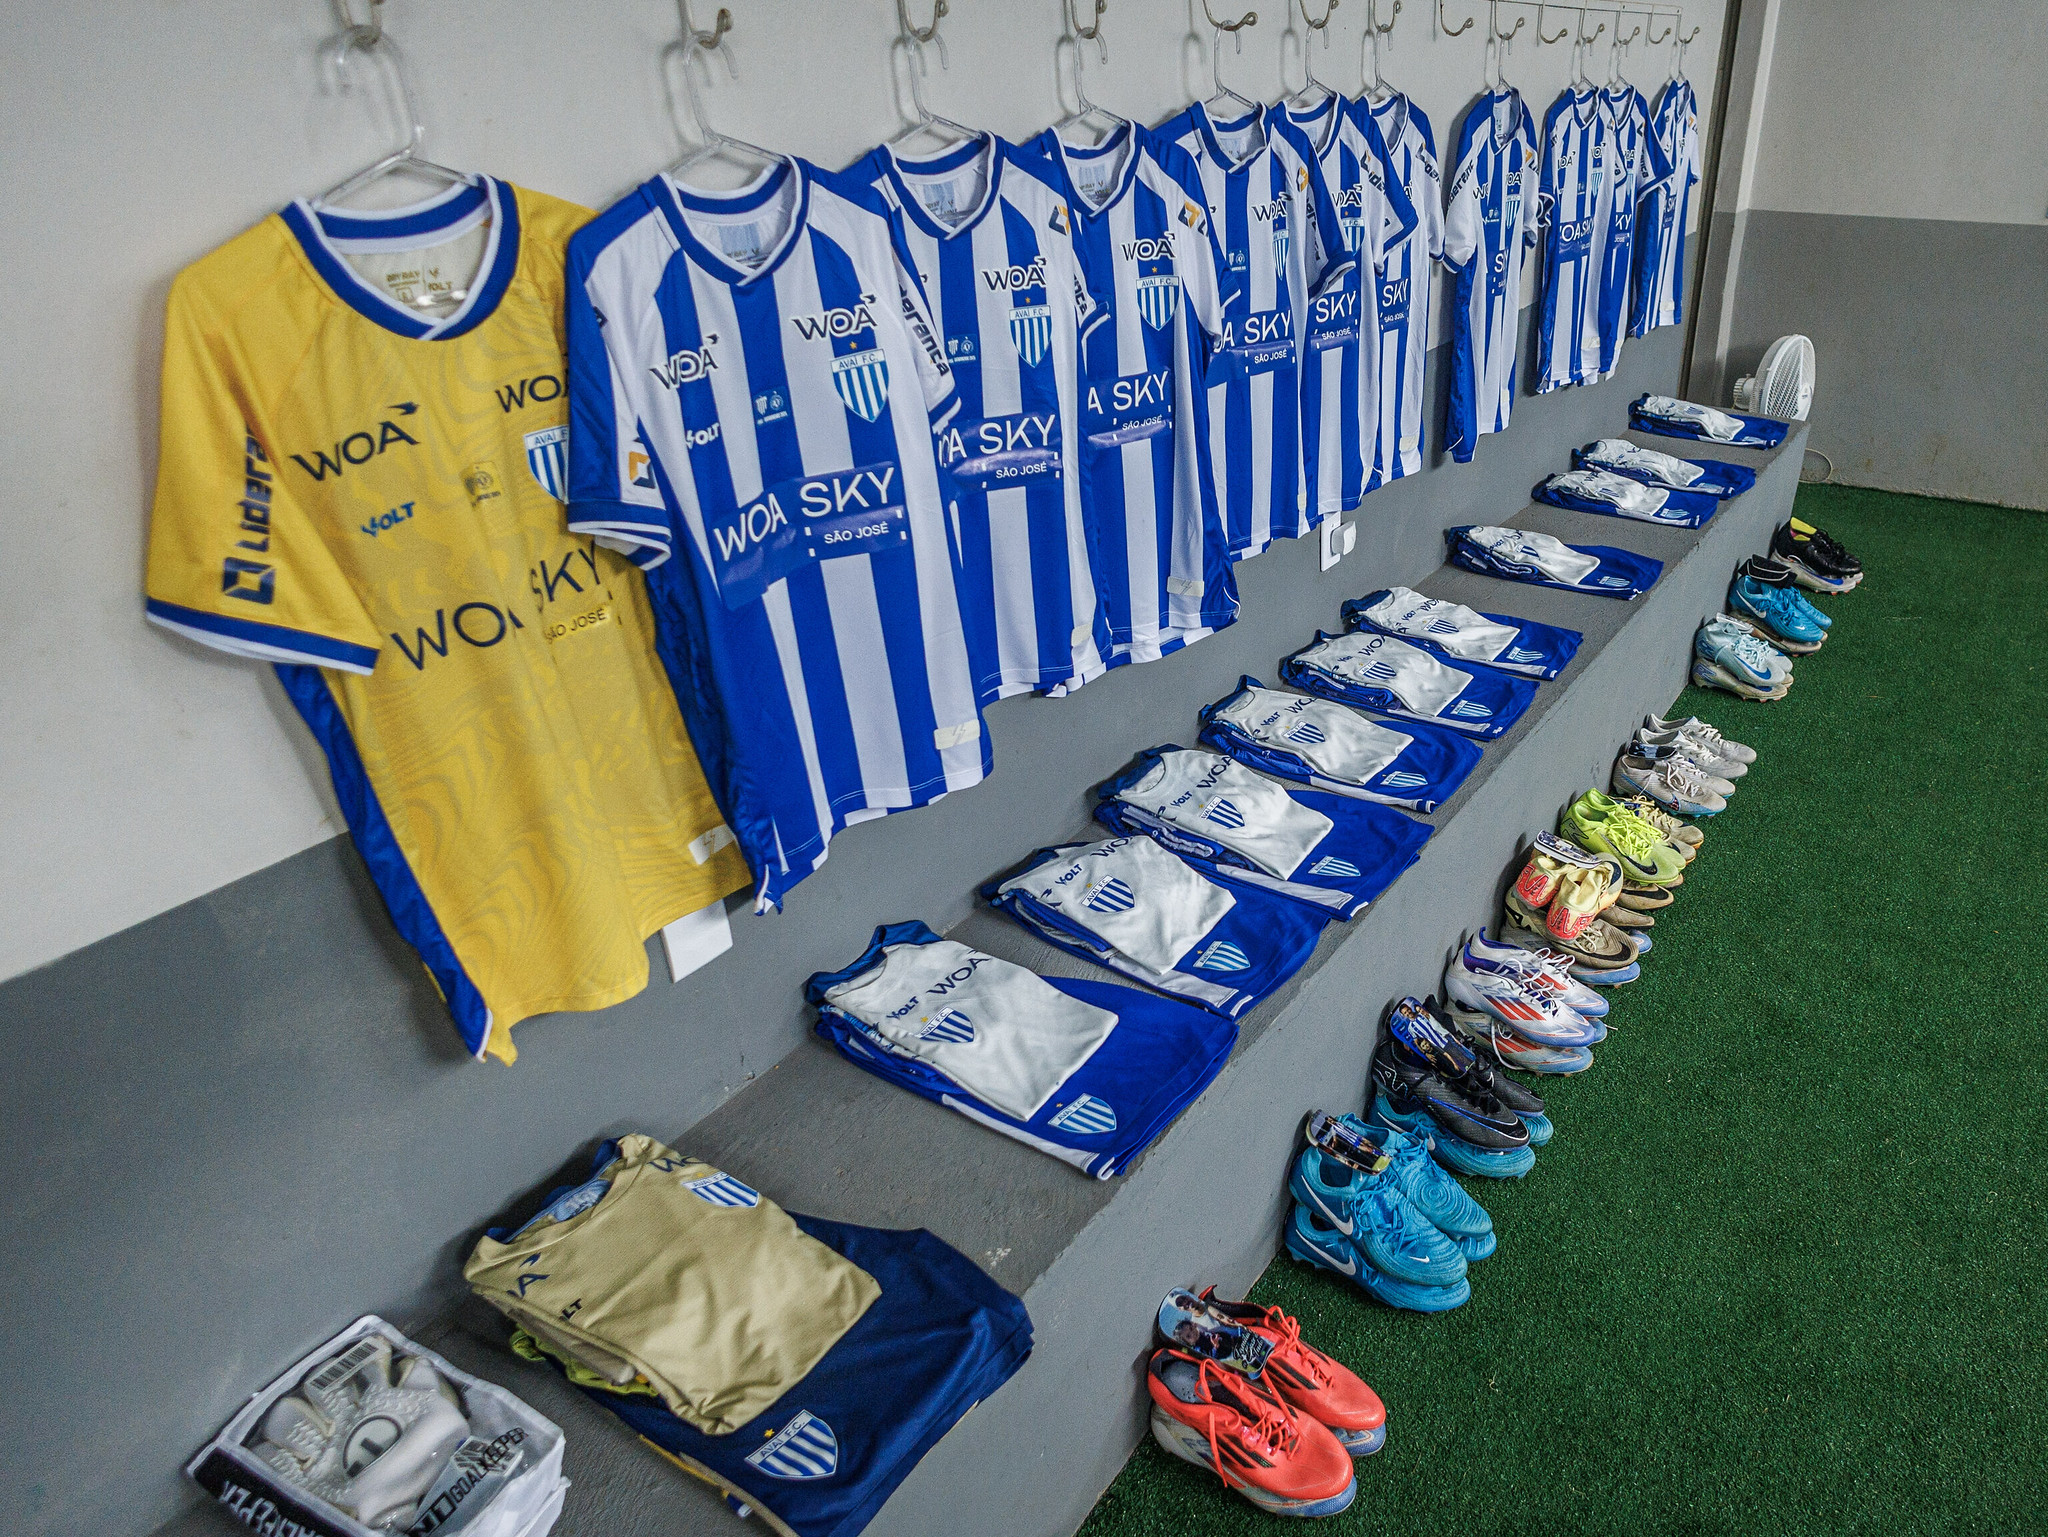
(1314, 1240)
(1459, 1157)
(1433, 1192)
(1775, 609)
(1369, 1209)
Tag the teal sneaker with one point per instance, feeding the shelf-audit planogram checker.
(1434, 1193)
(1314, 1240)
(1370, 1210)
(1777, 610)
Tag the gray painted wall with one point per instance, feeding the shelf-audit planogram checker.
(1931, 346)
(240, 1124)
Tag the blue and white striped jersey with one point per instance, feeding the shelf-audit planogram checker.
(1660, 243)
(1340, 352)
(1404, 285)
(1275, 222)
(1490, 217)
(1578, 151)
(994, 250)
(1638, 166)
(754, 381)
(1162, 559)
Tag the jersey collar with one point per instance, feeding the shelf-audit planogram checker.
(327, 235)
(1206, 127)
(1305, 123)
(1502, 140)
(1124, 137)
(1396, 108)
(672, 197)
(952, 160)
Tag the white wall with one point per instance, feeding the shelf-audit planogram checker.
(141, 771)
(1900, 110)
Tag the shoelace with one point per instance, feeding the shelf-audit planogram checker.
(1683, 775)
(1269, 1431)
(1643, 809)
(1632, 837)
(1697, 729)
(1289, 1331)
(1753, 652)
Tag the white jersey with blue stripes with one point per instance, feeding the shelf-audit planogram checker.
(1340, 351)
(994, 250)
(1162, 558)
(1404, 285)
(1638, 166)
(1662, 220)
(1275, 223)
(1490, 218)
(1578, 153)
(754, 382)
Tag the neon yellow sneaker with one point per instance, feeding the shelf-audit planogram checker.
(1600, 823)
(1680, 834)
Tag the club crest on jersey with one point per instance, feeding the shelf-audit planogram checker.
(1471, 709)
(722, 1190)
(1525, 654)
(547, 456)
(1342, 869)
(1308, 733)
(1158, 297)
(1086, 1117)
(1031, 332)
(1112, 896)
(770, 406)
(1222, 955)
(1403, 779)
(804, 1448)
(1379, 670)
(1224, 813)
(1442, 627)
(862, 380)
(953, 1026)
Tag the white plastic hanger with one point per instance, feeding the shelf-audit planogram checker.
(942, 129)
(710, 143)
(1377, 90)
(1313, 92)
(372, 40)
(1086, 115)
(1224, 94)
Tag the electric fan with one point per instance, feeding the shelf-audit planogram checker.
(1783, 383)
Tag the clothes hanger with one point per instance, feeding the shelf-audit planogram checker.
(372, 40)
(711, 144)
(1497, 43)
(943, 129)
(1377, 90)
(1223, 93)
(1103, 124)
(1313, 93)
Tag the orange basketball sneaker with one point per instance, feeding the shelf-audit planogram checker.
(1283, 1462)
(1323, 1388)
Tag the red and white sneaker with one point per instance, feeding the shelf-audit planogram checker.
(1319, 1386)
(1283, 1462)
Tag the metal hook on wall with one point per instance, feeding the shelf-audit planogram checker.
(1446, 28)
(923, 35)
(1090, 34)
(1234, 28)
(1562, 32)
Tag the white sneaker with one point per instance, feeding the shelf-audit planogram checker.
(1723, 771)
(1706, 735)
(1670, 782)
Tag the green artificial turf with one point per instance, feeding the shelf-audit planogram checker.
(1784, 1268)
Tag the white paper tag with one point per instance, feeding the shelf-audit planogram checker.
(696, 939)
(703, 846)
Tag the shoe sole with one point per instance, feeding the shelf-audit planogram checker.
(1777, 637)
(1190, 1445)
(1644, 902)
(1813, 581)
(1708, 674)
(1624, 787)
(1360, 1443)
(1395, 1294)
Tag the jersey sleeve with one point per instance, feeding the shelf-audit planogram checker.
(613, 493)
(1199, 257)
(934, 373)
(1398, 217)
(1428, 196)
(1333, 264)
(235, 561)
(1657, 168)
(1462, 226)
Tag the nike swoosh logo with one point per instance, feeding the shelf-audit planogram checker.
(1346, 1266)
(1341, 1224)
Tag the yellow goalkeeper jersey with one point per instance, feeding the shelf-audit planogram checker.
(363, 459)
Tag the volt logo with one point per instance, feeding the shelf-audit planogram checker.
(525, 392)
(402, 513)
(835, 323)
(686, 366)
(1003, 280)
(360, 447)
